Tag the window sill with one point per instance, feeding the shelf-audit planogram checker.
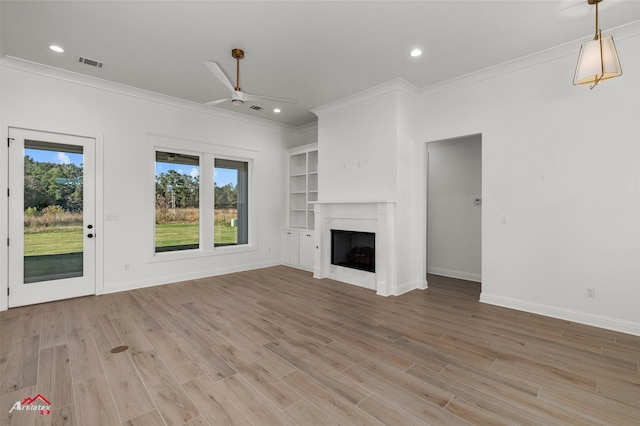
(200, 253)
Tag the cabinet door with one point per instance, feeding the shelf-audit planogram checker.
(307, 242)
(289, 251)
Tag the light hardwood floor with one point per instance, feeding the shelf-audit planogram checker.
(274, 346)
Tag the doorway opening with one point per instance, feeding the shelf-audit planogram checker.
(454, 207)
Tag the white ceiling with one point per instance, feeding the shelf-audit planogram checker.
(313, 51)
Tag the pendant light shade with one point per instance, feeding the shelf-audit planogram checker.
(598, 60)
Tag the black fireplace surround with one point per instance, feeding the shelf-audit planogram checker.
(353, 249)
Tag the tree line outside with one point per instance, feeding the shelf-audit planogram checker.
(175, 190)
(177, 211)
(53, 197)
(52, 194)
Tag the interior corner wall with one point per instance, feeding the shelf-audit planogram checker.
(307, 134)
(453, 218)
(121, 122)
(411, 272)
(560, 185)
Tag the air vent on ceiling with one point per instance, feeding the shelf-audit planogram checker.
(91, 62)
(256, 107)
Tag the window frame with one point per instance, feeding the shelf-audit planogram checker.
(245, 210)
(207, 154)
(200, 157)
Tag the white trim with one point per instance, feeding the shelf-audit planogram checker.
(303, 148)
(122, 89)
(406, 287)
(398, 85)
(564, 314)
(455, 274)
(207, 152)
(306, 127)
(171, 279)
(571, 48)
(100, 213)
(354, 202)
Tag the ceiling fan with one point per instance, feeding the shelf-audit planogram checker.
(237, 96)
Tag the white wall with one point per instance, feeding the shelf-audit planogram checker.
(356, 152)
(453, 220)
(366, 151)
(559, 163)
(121, 119)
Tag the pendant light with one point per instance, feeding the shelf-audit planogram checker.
(598, 59)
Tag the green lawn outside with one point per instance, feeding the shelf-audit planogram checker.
(69, 239)
(187, 234)
(177, 234)
(58, 240)
(225, 234)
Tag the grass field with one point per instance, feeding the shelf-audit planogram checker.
(58, 240)
(186, 234)
(62, 240)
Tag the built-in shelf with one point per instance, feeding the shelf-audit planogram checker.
(303, 185)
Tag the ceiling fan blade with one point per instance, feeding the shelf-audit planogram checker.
(217, 72)
(217, 101)
(249, 96)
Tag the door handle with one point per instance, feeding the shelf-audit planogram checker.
(90, 235)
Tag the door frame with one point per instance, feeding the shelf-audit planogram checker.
(422, 196)
(98, 190)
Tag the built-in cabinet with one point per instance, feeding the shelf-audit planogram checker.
(297, 248)
(297, 240)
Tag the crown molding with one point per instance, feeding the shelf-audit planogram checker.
(398, 85)
(19, 64)
(306, 127)
(564, 50)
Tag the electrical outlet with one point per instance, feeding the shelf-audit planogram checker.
(126, 266)
(591, 292)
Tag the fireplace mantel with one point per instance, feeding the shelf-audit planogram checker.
(365, 216)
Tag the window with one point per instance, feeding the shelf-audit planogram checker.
(203, 202)
(177, 202)
(231, 202)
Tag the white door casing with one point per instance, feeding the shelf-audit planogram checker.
(58, 275)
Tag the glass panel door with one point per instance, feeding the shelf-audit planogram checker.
(53, 193)
(51, 217)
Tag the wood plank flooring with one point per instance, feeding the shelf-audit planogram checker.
(275, 346)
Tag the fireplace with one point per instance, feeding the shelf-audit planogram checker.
(353, 249)
(375, 218)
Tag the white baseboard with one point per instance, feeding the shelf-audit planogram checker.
(407, 287)
(169, 279)
(454, 274)
(608, 323)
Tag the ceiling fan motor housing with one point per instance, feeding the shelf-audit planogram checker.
(238, 98)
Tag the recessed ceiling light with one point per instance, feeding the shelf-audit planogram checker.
(416, 52)
(276, 110)
(56, 48)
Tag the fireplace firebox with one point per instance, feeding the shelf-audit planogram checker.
(353, 249)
